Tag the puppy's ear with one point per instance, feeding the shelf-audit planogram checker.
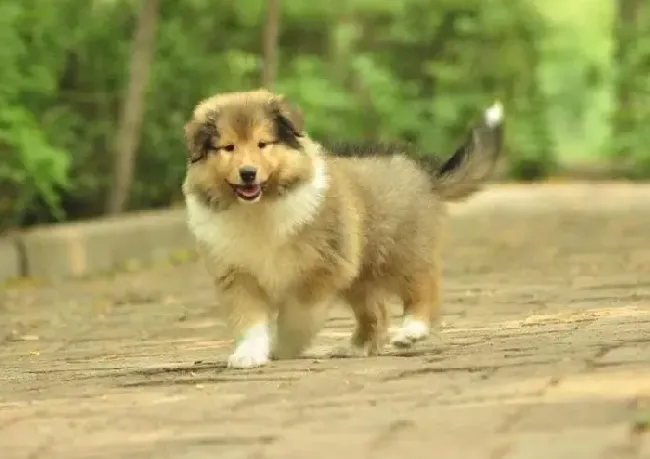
(288, 120)
(198, 138)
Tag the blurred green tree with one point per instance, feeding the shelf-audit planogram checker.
(416, 71)
(129, 126)
(632, 88)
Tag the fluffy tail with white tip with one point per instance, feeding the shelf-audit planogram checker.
(471, 165)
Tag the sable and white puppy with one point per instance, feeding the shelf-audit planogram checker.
(287, 228)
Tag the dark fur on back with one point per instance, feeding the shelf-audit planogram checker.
(367, 149)
(454, 178)
(372, 149)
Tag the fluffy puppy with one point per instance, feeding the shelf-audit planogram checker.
(287, 228)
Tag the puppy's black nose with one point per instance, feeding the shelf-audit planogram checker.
(247, 174)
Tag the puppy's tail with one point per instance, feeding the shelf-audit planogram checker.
(473, 162)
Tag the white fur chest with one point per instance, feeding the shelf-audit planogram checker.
(257, 238)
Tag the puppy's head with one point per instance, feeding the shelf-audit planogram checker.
(244, 147)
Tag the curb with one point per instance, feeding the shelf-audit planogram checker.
(10, 258)
(83, 248)
(92, 247)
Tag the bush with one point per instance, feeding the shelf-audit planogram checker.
(415, 71)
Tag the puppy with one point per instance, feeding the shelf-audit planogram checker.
(286, 228)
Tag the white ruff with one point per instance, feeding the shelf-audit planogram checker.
(254, 236)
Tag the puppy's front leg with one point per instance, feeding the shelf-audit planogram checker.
(297, 324)
(247, 314)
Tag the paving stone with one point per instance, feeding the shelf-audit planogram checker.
(544, 353)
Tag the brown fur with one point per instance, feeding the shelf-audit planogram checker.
(327, 227)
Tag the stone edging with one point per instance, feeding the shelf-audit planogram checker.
(83, 248)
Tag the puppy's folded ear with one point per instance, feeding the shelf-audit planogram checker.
(288, 120)
(198, 138)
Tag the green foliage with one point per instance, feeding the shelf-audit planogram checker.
(33, 168)
(411, 70)
(631, 116)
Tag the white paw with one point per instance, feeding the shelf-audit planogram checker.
(411, 331)
(252, 351)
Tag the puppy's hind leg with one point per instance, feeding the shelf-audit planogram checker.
(421, 297)
(369, 307)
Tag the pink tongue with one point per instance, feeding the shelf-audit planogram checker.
(248, 191)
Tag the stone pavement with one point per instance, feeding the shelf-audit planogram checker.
(544, 353)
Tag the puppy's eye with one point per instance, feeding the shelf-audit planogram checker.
(262, 145)
(227, 148)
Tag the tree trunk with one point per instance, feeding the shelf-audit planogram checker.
(270, 43)
(625, 35)
(129, 125)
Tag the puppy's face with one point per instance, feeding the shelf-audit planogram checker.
(245, 147)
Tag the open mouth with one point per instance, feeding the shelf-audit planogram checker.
(247, 192)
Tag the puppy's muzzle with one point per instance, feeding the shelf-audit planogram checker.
(249, 189)
(247, 174)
